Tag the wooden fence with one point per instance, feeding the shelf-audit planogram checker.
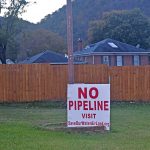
(40, 82)
(130, 83)
(19, 83)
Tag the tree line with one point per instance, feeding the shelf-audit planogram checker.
(131, 27)
(20, 39)
(85, 11)
(94, 20)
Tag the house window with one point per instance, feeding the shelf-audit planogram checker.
(106, 60)
(119, 61)
(80, 58)
(136, 60)
(85, 59)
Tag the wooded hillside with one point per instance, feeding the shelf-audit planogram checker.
(85, 11)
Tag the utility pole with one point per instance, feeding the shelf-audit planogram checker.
(70, 42)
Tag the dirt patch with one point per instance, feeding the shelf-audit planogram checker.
(63, 127)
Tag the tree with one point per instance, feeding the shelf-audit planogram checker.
(13, 8)
(85, 11)
(131, 27)
(33, 42)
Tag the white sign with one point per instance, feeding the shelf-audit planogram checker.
(88, 105)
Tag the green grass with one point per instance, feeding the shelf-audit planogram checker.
(20, 128)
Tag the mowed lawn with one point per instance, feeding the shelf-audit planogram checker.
(21, 128)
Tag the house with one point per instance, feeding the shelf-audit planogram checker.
(46, 57)
(8, 61)
(113, 53)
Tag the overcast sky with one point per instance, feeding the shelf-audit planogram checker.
(36, 12)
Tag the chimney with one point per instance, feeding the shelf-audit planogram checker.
(138, 46)
(80, 44)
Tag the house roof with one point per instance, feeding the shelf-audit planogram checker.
(8, 61)
(109, 46)
(46, 57)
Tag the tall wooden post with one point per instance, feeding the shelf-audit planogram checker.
(70, 42)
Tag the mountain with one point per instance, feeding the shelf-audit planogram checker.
(85, 11)
(13, 46)
(27, 39)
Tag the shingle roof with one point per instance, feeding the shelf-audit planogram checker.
(109, 45)
(46, 57)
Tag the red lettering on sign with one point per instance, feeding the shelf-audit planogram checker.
(70, 104)
(85, 105)
(88, 116)
(93, 93)
(81, 92)
(79, 104)
(89, 105)
(100, 105)
(106, 105)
